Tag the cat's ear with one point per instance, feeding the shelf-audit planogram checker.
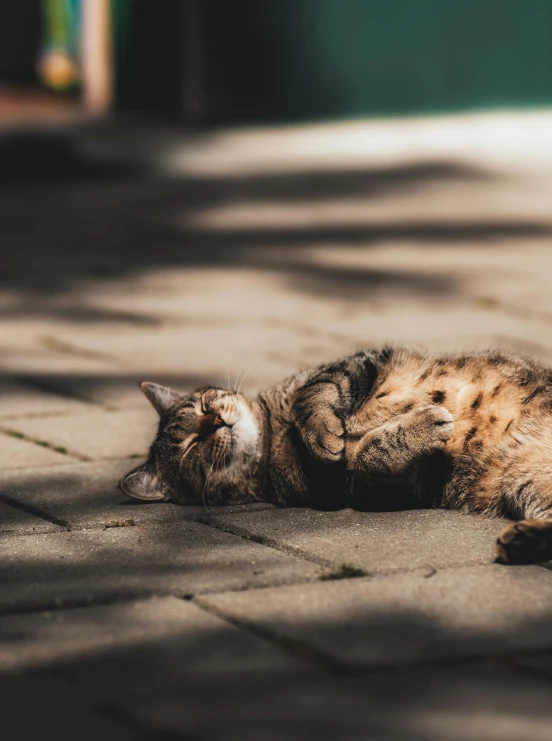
(142, 483)
(161, 397)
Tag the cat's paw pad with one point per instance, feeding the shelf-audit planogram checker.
(325, 437)
(527, 541)
(433, 424)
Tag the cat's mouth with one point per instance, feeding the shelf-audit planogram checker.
(213, 429)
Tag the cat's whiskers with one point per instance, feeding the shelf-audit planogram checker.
(205, 487)
(247, 373)
(237, 377)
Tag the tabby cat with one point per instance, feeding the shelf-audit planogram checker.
(387, 428)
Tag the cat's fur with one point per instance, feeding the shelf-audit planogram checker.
(389, 428)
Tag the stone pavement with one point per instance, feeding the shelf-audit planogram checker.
(239, 257)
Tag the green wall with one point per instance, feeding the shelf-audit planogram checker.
(270, 60)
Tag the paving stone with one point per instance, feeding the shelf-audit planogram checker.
(17, 400)
(22, 353)
(13, 520)
(42, 706)
(162, 639)
(17, 453)
(185, 557)
(432, 704)
(438, 234)
(378, 542)
(114, 388)
(164, 666)
(97, 434)
(86, 495)
(464, 611)
(171, 667)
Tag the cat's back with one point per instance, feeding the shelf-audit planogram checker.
(491, 395)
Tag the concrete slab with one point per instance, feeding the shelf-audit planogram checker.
(464, 611)
(86, 495)
(18, 400)
(13, 520)
(181, 558)
(112, 388)
(163, 640)
(377, 542)
(428, 704)
(97, 434)
(274, 250)
(19, 453)
(43, 706)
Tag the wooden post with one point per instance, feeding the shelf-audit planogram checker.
(96, 59)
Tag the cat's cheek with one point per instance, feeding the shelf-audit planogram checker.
(245, 435)
(245, 432)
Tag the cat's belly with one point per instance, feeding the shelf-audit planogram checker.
(486, 406)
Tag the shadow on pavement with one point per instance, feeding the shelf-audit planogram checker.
(69, 214)
(200, 678)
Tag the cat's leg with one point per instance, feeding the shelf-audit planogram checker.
(394, 448)
(530, 539)
(526, 541)
(331, 395)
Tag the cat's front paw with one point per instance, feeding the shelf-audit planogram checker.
(324, 435)
(432, 426)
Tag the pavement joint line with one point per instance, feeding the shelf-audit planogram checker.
(292, 646)
(53, 389)
(65, 461)
(95, 526)
(135, 596)
(62, 347)
(319, 561)
(62, 450)
(263, 540)
(77, 604)
(322, 660)
(296, 647)
(126, 720)
(36, 415)
(35, 511)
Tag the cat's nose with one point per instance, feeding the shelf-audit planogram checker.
(210, 423)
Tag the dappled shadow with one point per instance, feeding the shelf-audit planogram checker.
(167, 668)
(110, 387)
(70, 214)
(399, 657)
(319, 184)
(374, 670)
(46, 159)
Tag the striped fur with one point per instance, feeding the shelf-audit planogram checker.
(378, 429)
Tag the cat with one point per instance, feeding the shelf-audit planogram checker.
(393, 427)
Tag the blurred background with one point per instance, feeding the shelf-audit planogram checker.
(225, 191)
(244, 61)
(195, 190)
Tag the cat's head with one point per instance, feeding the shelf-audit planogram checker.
(207, 449)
